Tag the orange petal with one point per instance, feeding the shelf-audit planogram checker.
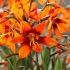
(49, 32)
(6, 42)
(58, 20)
(37, 48)
(37, 17)
(41, 28)
(49, 25)
(34, 6)
(10, 44)
(34, 15)
(57, 32)
(64, 27)
(24, 51)
(16, 34)
(18, 12)
(54, 12)
(26, 7)
(45, 12)
(2, 30)
(25, 27)
(2, 17)
(49, 41)
(61, 27)
(17, 25)
(3, 41)
(17, 39)
(33, 12)
(12, 47)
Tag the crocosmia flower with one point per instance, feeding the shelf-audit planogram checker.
(31, 39)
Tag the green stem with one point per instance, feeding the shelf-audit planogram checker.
(38, 67)
(30, 62)
(64, 64)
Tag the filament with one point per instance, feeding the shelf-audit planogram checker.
(37, 43)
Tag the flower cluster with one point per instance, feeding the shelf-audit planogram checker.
(22, 23)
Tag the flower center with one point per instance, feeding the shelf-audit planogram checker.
(33, 39)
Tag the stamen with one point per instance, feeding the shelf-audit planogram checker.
(37, 43)
(5, 34)
(30, 43)
(32, 38)
(33, 45)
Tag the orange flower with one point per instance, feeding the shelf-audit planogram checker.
(8, 23)
(5, 41)
(31, 39)
(33, 14)
(6, 34)
(59, 25)
(6, 31)
(2, 16)
(18, 11)
(19, 8)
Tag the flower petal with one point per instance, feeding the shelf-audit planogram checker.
(64, 27)
(57, 32)
(49, 41)
(12, 47)
(24, 51)
(38, 48)
(49, 32)
(41, 28)
(33, 12)
(25, 27)
(58, 20)
(16, 33)
(17, 39)
(34, 15)
(2, 30)
(44, 13)
(49, 25)
(61, 27)
(3, 41)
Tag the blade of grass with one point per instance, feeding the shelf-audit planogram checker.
(58, 65)
(11, 61)
(46, 58)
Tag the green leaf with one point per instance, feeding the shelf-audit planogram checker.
(11, 60)
(46, 58)
(58, 65)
